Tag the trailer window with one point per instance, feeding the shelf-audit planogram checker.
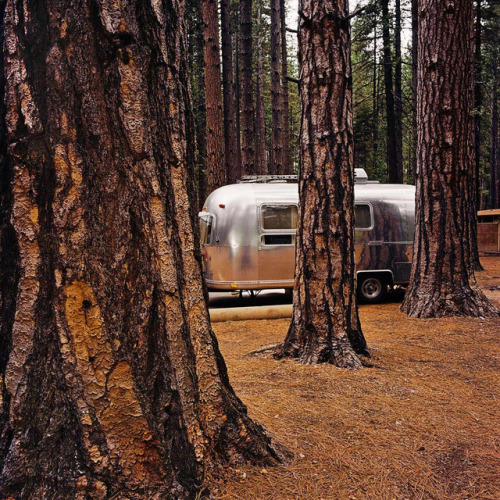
(278, 239)
(276, 217)
(206, 223)
(362, 217)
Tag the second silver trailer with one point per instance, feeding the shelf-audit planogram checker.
(248, 235)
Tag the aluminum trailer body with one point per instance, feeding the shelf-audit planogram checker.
(248, 235)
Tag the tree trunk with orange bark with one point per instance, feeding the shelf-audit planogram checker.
(442, 279)
(112, 384)
(325, 325)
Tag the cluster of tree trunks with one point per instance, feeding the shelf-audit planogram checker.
(325, 325)
(112, 384)
(244, 141)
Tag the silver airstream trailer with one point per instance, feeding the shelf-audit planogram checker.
(248, 235)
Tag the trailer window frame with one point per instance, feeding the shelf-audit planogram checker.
(269, 233)
(370, 207)
(210, 228)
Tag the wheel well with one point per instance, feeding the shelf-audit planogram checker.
(384, 276)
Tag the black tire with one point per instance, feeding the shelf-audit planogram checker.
(372, 289)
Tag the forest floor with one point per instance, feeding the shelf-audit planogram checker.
(422, 423)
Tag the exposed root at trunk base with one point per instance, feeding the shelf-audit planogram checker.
(423, 303)
(309, 349)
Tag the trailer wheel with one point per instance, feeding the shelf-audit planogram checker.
(372, 289)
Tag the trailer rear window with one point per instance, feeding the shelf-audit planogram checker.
(279, 217)
(206, 223)
(362, 217)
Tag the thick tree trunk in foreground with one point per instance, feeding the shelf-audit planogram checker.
(247, 101)
(216, 171)
(287, 164)
(230, 151)
(394, 168)
(442, 278)
(112, 383)
(260, 112)
(324, 326)
(276, 153)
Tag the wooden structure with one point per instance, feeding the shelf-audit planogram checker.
(488, 230)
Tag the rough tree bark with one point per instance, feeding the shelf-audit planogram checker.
(394, 168)
(276, 153)
(111, 380)
(247, 101)
(260, 113)
(216, 172)
(414, 73)
(233, 172)
(398, 90)
(287, 164)
(442, 279)
(375, 107)
(324, 325)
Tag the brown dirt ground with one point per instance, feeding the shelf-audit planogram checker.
(422, 423)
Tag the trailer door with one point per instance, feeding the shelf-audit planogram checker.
(277, 232)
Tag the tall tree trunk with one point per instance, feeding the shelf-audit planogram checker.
(324, 325)
(442, 278)
(260, 123)
(475, 199)
(216, 171)
(478, 99)
(494, 141)
(238, 99)
(398, 91)
(287, 164)
(112, 383)
(276, 154)
(375, 101)
(230, 142)
(394, 169)
(247, 111)
(414, 73)
(198, 88)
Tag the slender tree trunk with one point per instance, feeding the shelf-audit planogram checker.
(398, 92)
(324, 326)
(216, 171)
(238, 100)
(442, 279)
(276, 156)
(475, 198)
(494, 142)
(478, 97)
(375, 101)
(247, 111)
(260, 123)
(198, 86)
(287, 164)
(230, 142)
(414, 73)
(111, 379)
(395, 172)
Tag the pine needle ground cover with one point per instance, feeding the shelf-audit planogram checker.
(421, 423)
